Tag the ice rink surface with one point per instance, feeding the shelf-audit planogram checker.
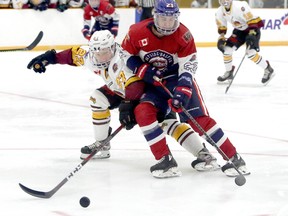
(45, 120)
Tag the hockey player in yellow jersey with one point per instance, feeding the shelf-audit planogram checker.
(246, 30)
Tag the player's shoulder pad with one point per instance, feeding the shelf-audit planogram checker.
(184, 36)
(78, 54)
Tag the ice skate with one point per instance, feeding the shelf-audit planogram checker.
(165, 168)
(102, 154)
(205, 161)
(226, 77)
(268, 74)
(229, 170)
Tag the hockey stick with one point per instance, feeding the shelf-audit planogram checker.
(30, 47)
(50, 193)
(229, 85)
(240, 179)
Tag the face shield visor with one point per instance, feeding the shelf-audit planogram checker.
(166, 24)
(102, 57)
(225, 3)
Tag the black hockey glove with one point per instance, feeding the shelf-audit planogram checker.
(221, 44)
(126, 114)
(252, 40)
(40, 62)
(42, 6)
(62, 7)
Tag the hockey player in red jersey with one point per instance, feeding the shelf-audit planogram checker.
(105, 15)
(103, 57)
(246, 30)
(164, 47)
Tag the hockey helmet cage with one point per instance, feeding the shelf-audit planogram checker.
(166, 14)
(101, 48)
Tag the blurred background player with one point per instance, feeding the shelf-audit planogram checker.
(145, 8)
(105, 15)
(164, 47)
(103, 57)
(246, 30)
(199, 4)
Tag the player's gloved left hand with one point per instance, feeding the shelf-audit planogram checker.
(62, 7)
(252, 40)
(126, 114)
(180, 98)
(40, 62)
(147, 72)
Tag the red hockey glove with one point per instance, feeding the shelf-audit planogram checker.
(180, 98)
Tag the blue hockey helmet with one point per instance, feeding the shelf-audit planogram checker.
(166, 14)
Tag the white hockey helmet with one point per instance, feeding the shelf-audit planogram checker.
(225, 3)
(101, 48)
(94, 3)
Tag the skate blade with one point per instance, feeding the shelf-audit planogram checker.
(203, 167)
(231, 172)
(172, 172)
(99, 155)
(226, 82)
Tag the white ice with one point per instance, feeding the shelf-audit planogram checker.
(45, 120)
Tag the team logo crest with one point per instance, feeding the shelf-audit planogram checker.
(159, 59)
(187, 36)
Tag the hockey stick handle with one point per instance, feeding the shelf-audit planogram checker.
(228, 87)
(211, 141)
(30, 47)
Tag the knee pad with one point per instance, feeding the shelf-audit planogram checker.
(98, 100)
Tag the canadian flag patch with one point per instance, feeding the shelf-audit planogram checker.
(143, 42)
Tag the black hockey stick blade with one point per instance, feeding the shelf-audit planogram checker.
(48, 194)
(30, 47)
(40, 194)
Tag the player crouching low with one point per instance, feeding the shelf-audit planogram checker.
(103, 58)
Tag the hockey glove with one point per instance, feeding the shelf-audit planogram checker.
(180, 98)
(86, 32)
(146, 72)
(221, 44)
(42, 7)
(62, 7)
(40, 62)
(126, 114)
(252, 40)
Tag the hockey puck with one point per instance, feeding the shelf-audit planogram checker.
(84, 202)
(240, 180)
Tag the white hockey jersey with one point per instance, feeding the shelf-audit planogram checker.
(115, 76)
(239, 15)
